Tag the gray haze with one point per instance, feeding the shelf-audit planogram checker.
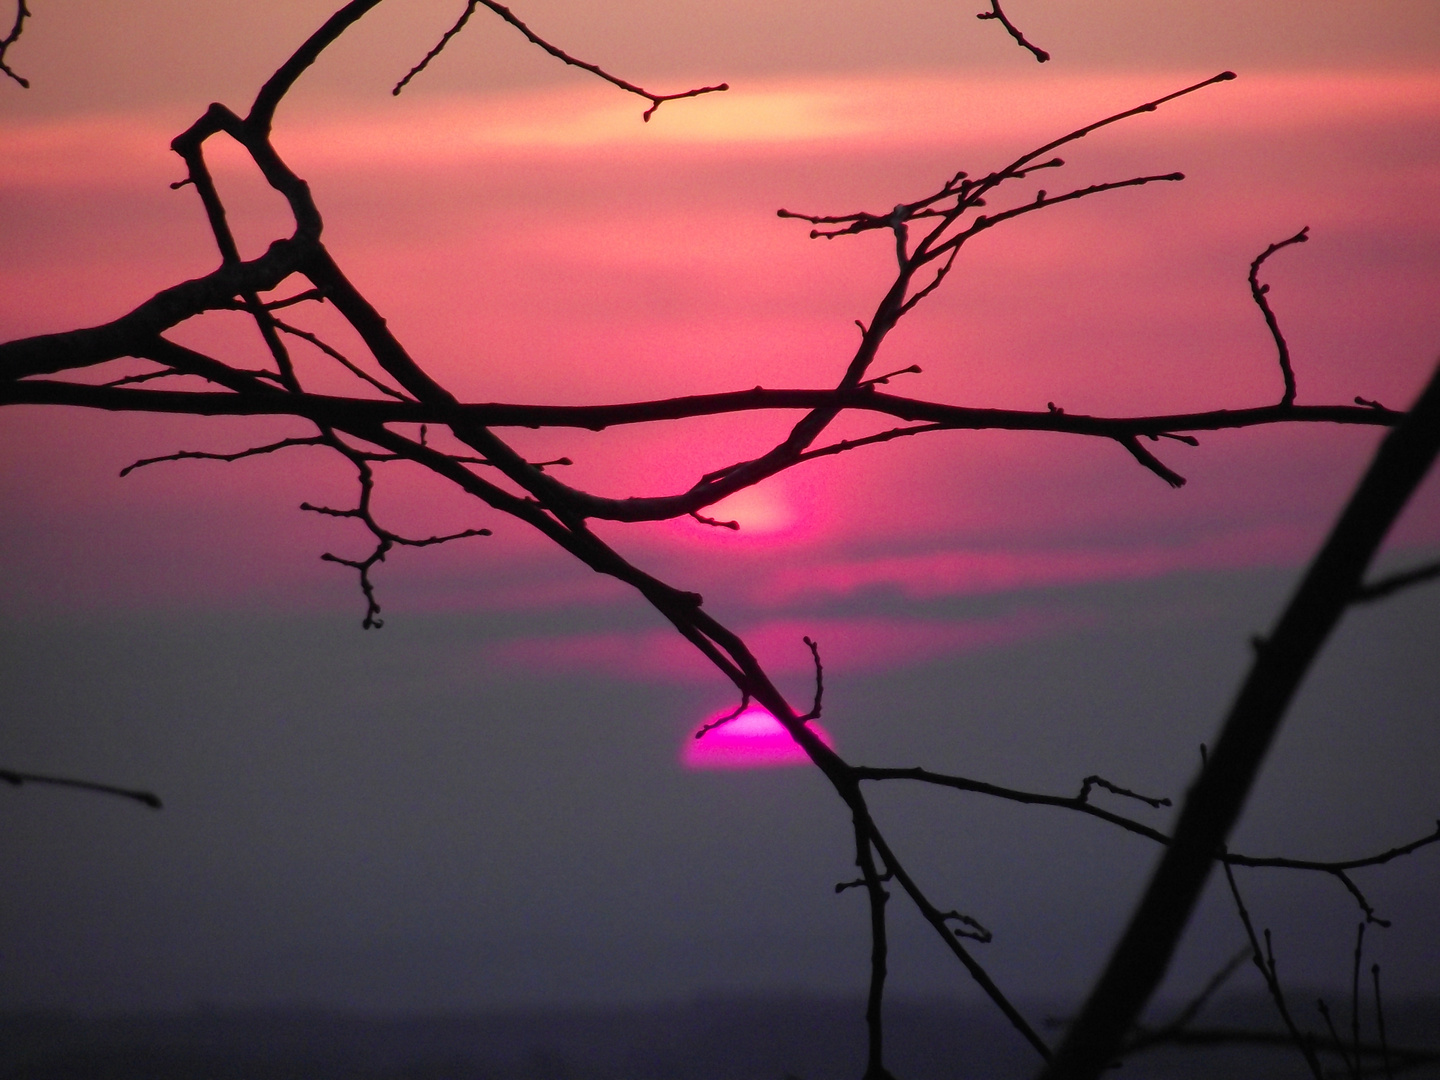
(394, 820)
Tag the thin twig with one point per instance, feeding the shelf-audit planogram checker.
(1099, 781)
(814, 713)
(1355, 995)
(1386, 586)
(1151, 462)
(1265, 964)
(1258, 293)
(877, 898)
(1408, 1057)
(656, 100)
(1337, 869)
(16, 779)
(204, 455)
(713, 724)
(1194, 1006)
(335, 354)
(733, 526)
(385, 539)
(1380, 1021)
(1336, 1041)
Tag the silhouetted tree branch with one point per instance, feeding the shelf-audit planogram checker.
(998, 14)
(396, 400)
(1215, 801)
(16, 779)
(16, 28)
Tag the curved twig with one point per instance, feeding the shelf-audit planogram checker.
(1258, 293)
(16, 779)
(21, 13)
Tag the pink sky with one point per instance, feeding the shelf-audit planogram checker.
(532, 240)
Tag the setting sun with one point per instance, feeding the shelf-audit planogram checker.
(753, 740)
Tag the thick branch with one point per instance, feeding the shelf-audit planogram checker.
(1215, 802)
(51, 353)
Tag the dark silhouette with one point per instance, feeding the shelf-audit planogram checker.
(400, 412)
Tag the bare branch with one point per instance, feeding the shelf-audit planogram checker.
(998, 14)
(1355, 995)
(1079, 133)
(1214, 803)
(656, 100)
(1258, 293)
(204, 455)
(335, 354)
(733, 526)
(868, 440)
(16, 779)
(876, 895)
(21, 12)
(439, 46)
(939, 921)
(363, 430)
(143, 377)
(1338, 869)
(1324, 1010)
(1099, 781)
(1380, 1021)
(1195, 1005)
(705, 729)
(1387, 586)
(1151, 462)
(1265, 964)
(814, 713)
(385, 540)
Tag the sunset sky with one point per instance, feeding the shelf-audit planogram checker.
(485, 801)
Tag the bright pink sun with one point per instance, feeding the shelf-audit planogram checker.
(753, 740)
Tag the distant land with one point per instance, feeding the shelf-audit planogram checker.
(720, 1038)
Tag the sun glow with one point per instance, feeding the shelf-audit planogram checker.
(758, 511)
(753, 740)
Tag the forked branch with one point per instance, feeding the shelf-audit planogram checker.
(656, 100)
(21, 13)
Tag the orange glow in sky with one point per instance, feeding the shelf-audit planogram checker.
(536, 241)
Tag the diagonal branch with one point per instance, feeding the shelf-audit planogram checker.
(1265, 964)
(1214, 803)
(1387, 586)
(16, 779)
(1193, 1007)
(334, 354)
(998, 14)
